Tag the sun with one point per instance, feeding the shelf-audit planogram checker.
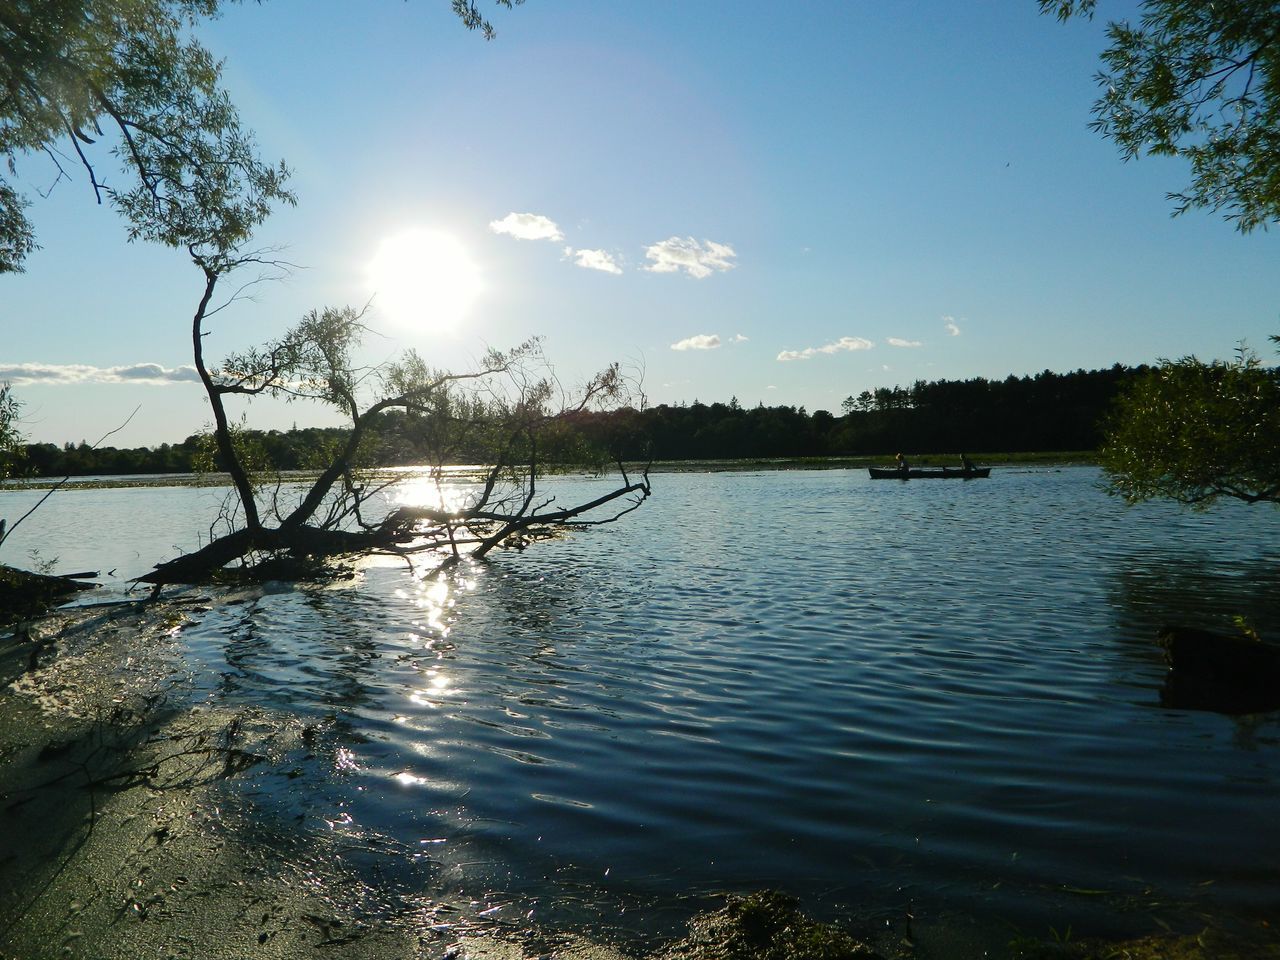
(424, 279)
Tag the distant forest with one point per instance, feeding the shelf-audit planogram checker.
(1046, 412)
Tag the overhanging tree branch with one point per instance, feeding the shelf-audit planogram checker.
(501, 412)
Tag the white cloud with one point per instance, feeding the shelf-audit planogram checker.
(702, 341)
(899, 342)
(844, 343)
(527, 226)
(687, 254)
(61, 374)
(739, 338)
(950, 324)
(593, 260)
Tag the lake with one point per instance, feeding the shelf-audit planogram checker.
(929, 699)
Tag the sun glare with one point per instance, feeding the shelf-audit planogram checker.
(424, 279)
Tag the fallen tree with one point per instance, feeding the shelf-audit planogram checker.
(508, 413)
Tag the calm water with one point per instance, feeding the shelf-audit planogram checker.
(882, 697)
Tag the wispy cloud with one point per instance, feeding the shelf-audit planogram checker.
(54, 374)
(527, 226)
(950, 324)
(839, 346)
(698, 260)
(899, 342)
(739, 338)
(702, 341)
(593, 260)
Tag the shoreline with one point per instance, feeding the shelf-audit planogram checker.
(126, 832)
(995, 460)
(131, 831)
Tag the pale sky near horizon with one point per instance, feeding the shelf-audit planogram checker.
(784, 203)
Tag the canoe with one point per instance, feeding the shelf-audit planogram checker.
(929, 473)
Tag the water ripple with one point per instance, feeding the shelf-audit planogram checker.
(806, 680)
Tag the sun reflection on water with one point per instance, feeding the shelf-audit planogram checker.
(345, 760)
(429, 490)
(430, 697)
(433, 598)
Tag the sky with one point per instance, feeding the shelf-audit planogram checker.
(782, 203)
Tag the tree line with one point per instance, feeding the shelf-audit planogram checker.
(1046, 412)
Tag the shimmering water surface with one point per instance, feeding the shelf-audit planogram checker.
(880, 696)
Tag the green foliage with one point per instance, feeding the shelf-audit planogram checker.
(1200, 81)
(311, 361)
(17, 237)
(1194, 432)
(10, 437)
(249, 447)
(41, 564)
(76, 73)
(512, 415)
(472, 19)
(1246, 627)
(80, 71)
(1066, 9)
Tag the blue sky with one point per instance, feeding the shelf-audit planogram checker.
(811, 200)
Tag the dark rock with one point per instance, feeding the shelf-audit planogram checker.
(1225, 673)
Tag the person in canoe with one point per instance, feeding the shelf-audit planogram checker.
(966, 464)
(903, 466)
